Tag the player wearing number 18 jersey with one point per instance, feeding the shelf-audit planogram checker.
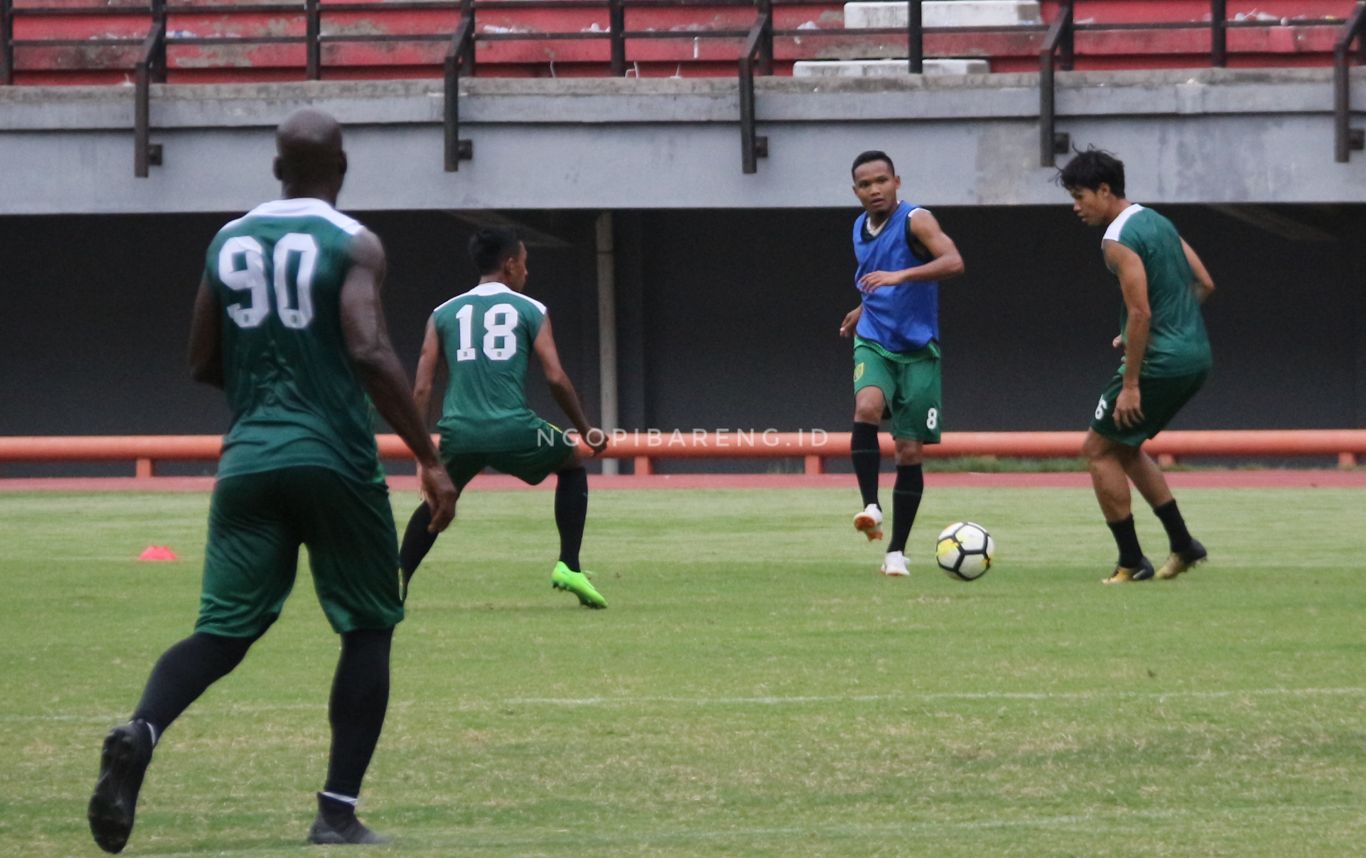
(288, 322)
(483, 340)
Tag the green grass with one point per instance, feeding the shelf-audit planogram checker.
(1010, 464)
(756, 688)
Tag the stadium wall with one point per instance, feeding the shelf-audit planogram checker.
(726, 319)
(1197, 136)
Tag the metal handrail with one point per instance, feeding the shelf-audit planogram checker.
(1345, 137)
(151, 65)
(915, 37)
(1218, 33)
(616, 28)
(758, 43)
(1061, 37)
(460, 55)
(312, 42)
(6, 42)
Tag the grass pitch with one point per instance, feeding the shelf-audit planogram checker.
(755, 688)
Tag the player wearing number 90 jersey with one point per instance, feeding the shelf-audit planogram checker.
(277, 272)
(288, 321)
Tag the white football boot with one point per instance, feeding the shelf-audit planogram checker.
(869, 522)
(894, 565)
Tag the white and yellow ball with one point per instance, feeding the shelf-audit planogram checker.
(965, 550)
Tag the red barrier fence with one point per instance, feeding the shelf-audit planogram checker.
(645, 447)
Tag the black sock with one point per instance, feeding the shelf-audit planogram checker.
(416, 541)
(184, 672)
(1130, 554)
(909, 486)
(1178, 536)
(867, 458)
(571, 511)
(336, 811)
(360, 697)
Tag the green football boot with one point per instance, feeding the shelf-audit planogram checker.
(564, 578)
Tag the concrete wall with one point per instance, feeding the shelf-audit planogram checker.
(1198, 136)
(93, 340)
(1026, 333)
(727, 319)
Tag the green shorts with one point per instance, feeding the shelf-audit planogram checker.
(545, 451)
(257, 523)
(1159, 398)
(911, 385)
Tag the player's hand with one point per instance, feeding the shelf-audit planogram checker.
(439, 493)
(1128, 408)
(421, 486)
(596, 439)
(850, 322)
(1117, 342)
(874, 280)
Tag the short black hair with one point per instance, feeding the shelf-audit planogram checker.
(491, 246)
(870, 156)
(1091, 169)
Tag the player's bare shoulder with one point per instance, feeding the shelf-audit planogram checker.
(366, 249)
(923, 221)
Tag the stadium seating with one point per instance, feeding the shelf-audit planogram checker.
(46, 42)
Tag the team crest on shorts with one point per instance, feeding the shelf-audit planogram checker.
(858, 371)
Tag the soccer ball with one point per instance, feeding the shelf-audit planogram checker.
(964, 550)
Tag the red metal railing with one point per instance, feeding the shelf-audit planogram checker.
(645, 447)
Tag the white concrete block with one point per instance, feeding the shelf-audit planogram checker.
(881, 68)
(944, 13)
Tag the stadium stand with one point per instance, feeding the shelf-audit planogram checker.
(45, 42)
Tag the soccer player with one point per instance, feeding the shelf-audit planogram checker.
(482, 340)
(288, 323)
(1166, 359)
(902, 255)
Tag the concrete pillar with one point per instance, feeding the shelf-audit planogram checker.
(607, 331)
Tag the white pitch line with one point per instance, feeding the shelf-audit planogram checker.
(1117, 820)
(759, 700)
(779, 700)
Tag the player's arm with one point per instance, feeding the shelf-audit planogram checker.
(1204, 284)
(563, 389)
(923, 228)
(430, 365)
(372, 355)
(1133, 286)
(851, 321)
(206, 337)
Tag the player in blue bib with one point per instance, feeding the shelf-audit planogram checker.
(1166, 359)
(902, 254)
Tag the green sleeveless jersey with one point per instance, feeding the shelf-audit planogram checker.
(1177, 341)
(295, 399)
(486, 337)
